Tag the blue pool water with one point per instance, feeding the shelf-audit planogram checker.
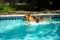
(16, 30)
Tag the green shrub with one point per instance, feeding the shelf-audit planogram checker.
(22, 7)
(6, 8)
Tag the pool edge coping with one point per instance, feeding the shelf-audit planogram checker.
(31, 14)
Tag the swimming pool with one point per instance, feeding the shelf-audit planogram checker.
(13, 28)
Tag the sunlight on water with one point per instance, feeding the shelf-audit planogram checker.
(31, 28)
(8, 25)
(16, 30)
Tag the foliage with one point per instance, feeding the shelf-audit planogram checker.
(6, 8)
(22, 7)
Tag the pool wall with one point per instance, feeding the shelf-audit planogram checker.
(18, 17)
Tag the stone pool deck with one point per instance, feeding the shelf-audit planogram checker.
(56, 12)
